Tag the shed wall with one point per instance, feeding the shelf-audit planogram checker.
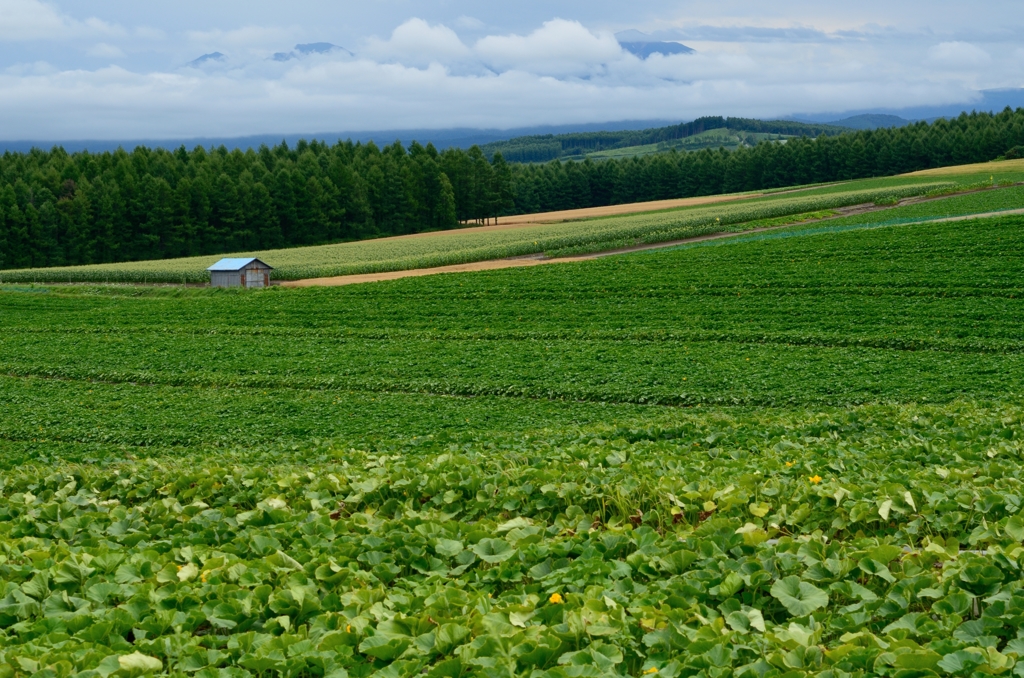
(226, 278)
(256, 276)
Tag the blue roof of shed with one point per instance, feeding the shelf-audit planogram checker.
(230, 264)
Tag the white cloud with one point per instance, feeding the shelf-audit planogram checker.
(36, 68)
(958, 56)
(25, 20)
(31, 20)
(469, 23)
(559, 47)
(94, 25)
(246, 37)
(417, 43)
(105, 51)
(361, 94)
(424, 75)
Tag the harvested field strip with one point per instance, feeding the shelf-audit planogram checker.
(460, 248)
(609, 211)
(980, 168)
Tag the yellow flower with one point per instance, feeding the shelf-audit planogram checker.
(789, 464)
(650, 671)
(815, 479)
(203, 576)
(556, 599)
(179, 568)
(348, 628)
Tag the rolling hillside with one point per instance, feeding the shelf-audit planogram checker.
(787, 455)
(587, 231)
(542, 148)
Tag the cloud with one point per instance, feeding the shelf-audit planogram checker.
(31, 20)
(559, 47)
(958, 56)
(424, 75)
(416, 43)
(35, 68)
(792, 34)
(105, 51)
(469, 23)
(361, 94)
(26, 20)
(265, 37)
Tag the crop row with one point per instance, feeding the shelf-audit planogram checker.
(1007, 198)
(918, 312)
(609, 371)
(456, 248)
(938, 282)
(872, 541)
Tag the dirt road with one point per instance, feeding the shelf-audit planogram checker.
(539, 259)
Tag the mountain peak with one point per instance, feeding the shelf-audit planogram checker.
(643, 45)
(207, 58)
(646, 49)
(309, 49)
(872, 121)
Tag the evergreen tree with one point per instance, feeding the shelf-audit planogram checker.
(61, 208)
(503, 196)
(445, 214)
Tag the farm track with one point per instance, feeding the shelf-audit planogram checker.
(539, 259)
(563, 216)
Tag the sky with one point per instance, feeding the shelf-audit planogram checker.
(113, 69)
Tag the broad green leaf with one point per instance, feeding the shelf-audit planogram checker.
(873, 567)
(137, 662)
(448, 548)
(188, 572)
(493, 550)
(746, 620)
(1015, 528)
(386, 649)
(799, 597)
(449, 636)
(961, 662)
(759, 510)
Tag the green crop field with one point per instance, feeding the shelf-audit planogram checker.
(560, 239)
(780, 455)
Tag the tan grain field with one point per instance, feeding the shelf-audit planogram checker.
(980, 168)
(520, 220)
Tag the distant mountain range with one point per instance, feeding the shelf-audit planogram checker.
(872, 121)
(311, 48)
(990, 100)
(634, 42)
(644, 46)
(459, 137)
(206, 59)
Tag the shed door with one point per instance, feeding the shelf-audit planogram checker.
(254, 278)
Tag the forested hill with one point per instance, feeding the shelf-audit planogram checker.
(59, 209)
(545, 147)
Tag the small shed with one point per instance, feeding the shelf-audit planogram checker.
(247, 272)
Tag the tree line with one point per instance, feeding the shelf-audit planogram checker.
(545, 147)
(970, 138)
(63, 209)
(60, 209)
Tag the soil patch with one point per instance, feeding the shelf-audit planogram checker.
(980, 168)
(540, 259)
